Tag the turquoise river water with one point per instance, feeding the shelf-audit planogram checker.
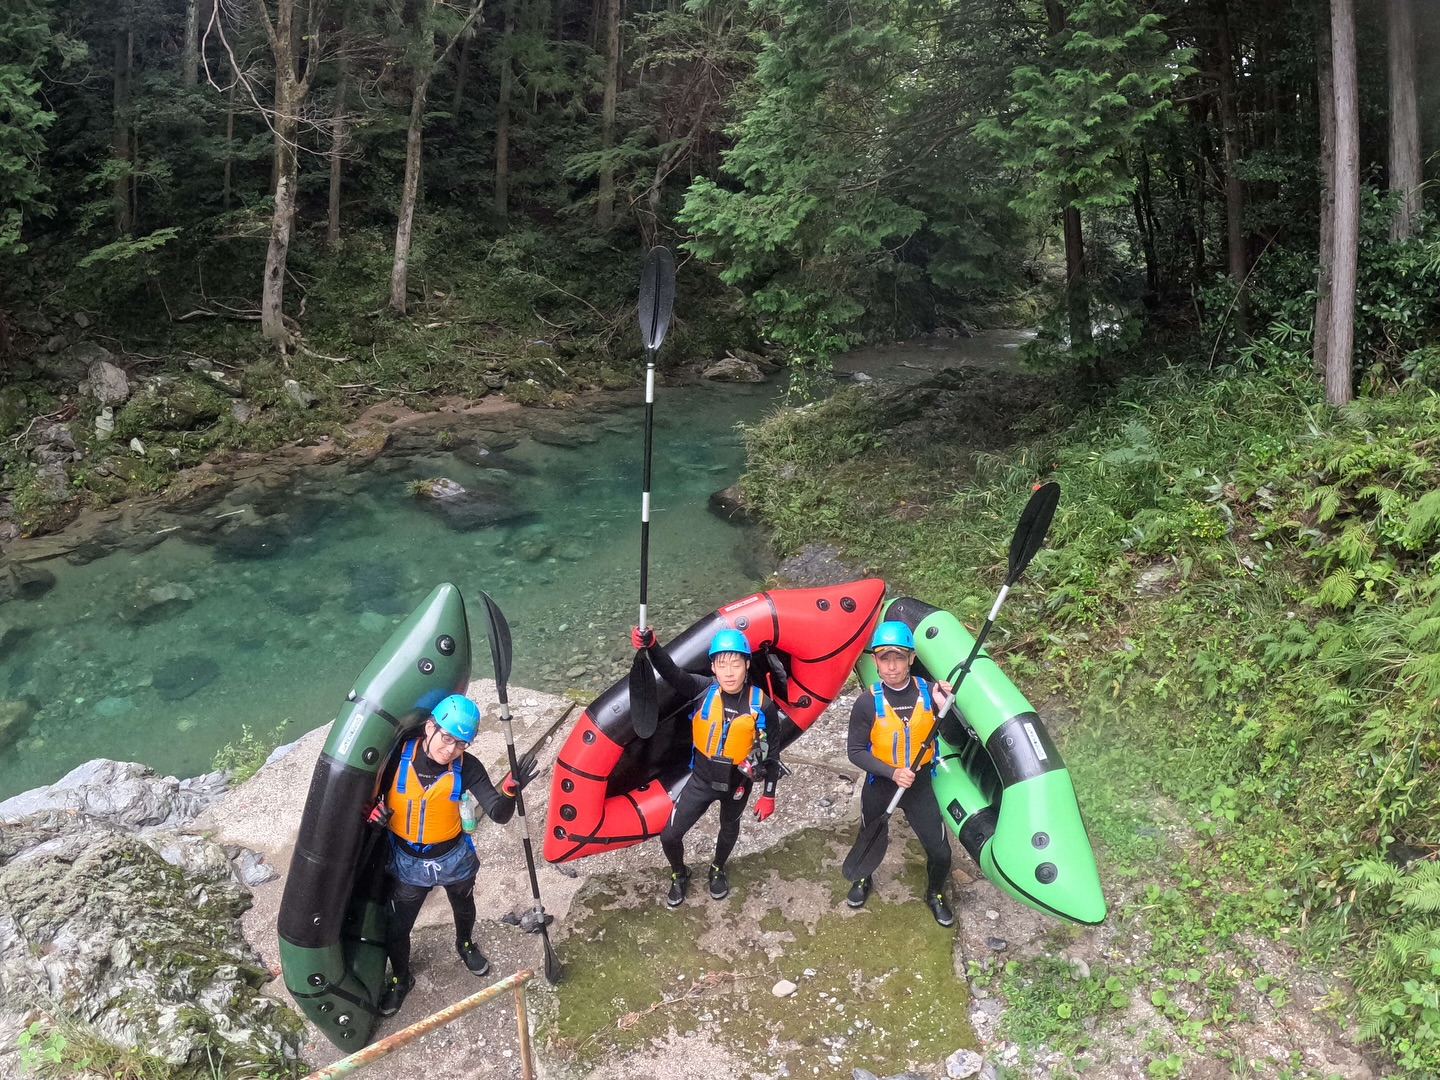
(273, 641)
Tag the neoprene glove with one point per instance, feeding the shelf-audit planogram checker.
(380, 815)
(642, 637)
(764, 807)
(526, 769)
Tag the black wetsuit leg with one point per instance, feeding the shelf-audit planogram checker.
(923, 814)
(695, 798)
(730, 810)
(405, 903)
(462, 904)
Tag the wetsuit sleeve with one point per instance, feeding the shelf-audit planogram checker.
(683, 682)
(857, 745)
(772, 745)
(499, 808)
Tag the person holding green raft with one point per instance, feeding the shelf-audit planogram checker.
(731, 725)
(888, 723)
(419, 805)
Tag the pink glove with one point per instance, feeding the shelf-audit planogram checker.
(764, 807)
(380, 815)
(642, 637)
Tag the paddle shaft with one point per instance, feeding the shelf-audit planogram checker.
(645, 488)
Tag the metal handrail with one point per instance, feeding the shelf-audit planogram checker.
(375, 1051)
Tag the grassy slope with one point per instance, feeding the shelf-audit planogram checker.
(1272, 690)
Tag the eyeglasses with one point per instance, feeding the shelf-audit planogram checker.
(449, 741)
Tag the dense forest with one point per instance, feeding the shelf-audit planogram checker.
(1219, 214)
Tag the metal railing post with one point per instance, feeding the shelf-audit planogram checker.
(522, 1021)
(358, 1060)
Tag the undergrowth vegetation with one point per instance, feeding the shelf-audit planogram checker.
(1241, 606)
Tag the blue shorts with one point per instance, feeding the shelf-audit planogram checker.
(457, 864)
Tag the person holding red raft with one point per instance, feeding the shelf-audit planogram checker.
(731, 725)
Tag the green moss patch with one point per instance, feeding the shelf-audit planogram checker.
(877, 987)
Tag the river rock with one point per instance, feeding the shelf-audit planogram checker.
(12, 633)
(815, 565)
(72, 365)
(123, 793)
(784, 988)
(133, 938)
(57, 435)
(108, 383)
(962, 1064)
(299, 395)
(727, 505)
(733, 369)
(25, 581)
(475, 507)
(170, 404)
(156, 602)
(105, 424)
(250, 542)
(177, 679)
(15, 717)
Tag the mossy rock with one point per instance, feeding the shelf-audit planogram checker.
(164, 404)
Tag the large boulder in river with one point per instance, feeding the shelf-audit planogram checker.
(733, 369)
(475, 507)
(122, 792)
(24, 581)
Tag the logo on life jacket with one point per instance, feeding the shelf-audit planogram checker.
(892, 739)
(424, 815)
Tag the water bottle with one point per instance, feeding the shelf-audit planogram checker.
(467, 812)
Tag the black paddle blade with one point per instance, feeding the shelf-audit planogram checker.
(644, 701)
(869, 850)
(657, 296)
(1030, 531)
(779, 678)
(498, 631)
(554, 970)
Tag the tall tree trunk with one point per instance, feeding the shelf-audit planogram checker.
(1325, 100)
(1339, 364)
(272, 295)
(229, 142)
(1077, 293)
(337, 156)
(1405, 165)
(410, 190)
(190, 64)
(121, 150)
(1234, 187)
(462, 75)
(605, 212)
(502, 117)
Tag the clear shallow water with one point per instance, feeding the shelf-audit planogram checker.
(271, 638)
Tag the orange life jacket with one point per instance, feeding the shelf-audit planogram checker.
(892, 740)
(715, 736)
(424, 815)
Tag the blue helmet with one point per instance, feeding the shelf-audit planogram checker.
(458, 717)
(729, 641)
(894, 635)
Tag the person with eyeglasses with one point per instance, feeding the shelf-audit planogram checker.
(420, 809)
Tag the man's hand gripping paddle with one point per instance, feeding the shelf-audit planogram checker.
(498, 631)
(1029, 537)
(657, 300)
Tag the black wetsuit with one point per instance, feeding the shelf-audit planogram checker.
(712, 781)
(921, 810)
(406, 899)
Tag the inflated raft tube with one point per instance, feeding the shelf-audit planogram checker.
(332, 915)
(610, 788)
(1001, 784)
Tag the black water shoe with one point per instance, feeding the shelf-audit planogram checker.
(719, 886)
(859, 893)
(936, 903)
(394, 996)
(473, 957)
(679, 883)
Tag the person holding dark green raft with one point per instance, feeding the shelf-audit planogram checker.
(420, 808)
(730, 728)
(888, 723)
